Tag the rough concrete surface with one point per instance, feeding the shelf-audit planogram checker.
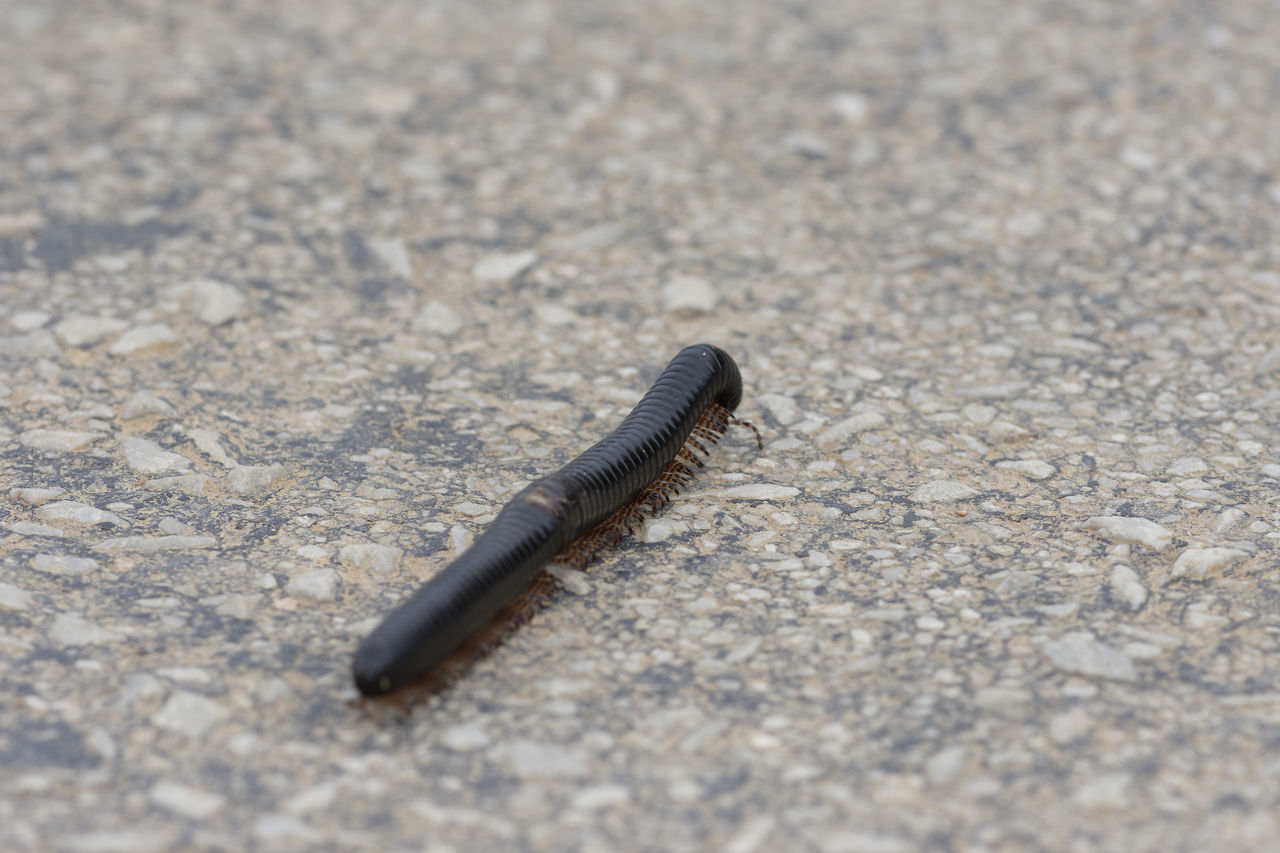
(295, 296)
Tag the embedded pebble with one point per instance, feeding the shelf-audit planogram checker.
(184, 800)
(189, 714)
(1127, 588)
(554, 315)
(661, 529)
(273, 829)
(943, 491)
(806, 145)
(193, 483)
(1028, 223)
(393, 255)
(82, 331)
(144, 456)
(1036, 469)
(839, 434)
(247, 479)
(573, 580)
(133, 840)
(388, 100)
(143, 404)
(945, 765)
(210, 444)
(155, 543)
(213, 302)
(142, 337)
(1080, 653)
(315, 585)
(464, 737)
(31, 528)
(57, 440)
(853, 107)
(504, 267)
(28, 321)
(781, 407)
(439, 318)
(1188, 465)
(538, 760)
(1108, 792)
(312, 799)
(370, 557)
(80, 513)
(69, 630)
(35, 496)
(1142, 531)
(596, 797)
(1070, 725)
(1199, 563)
(13, 598)
(237, 606)
(689, 296)
(757, 492)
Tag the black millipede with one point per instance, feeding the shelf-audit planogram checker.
(567, 516)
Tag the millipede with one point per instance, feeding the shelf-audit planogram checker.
(567, 517)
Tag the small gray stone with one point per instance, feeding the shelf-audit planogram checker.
(213, 302)
(144, 403)
(155, 543)
(782, 407)
(36, 496)
(439, 318)
(28, 321)
(192, 483)
(82, 331)
(192, 803)
(79, 513)
(538, 760)
(63, 564)
(1199, 563)
(189, 714)
(573, 580)
(689, 296)
(1079, 653)
(13, 598)
(210, 444)
(146, 457)
(838, 434)
(315, 585)
(57, 440)
(464, 737)
(1036, 469)
(504, 267)
(1188, 465)
(142, 839)
(69, 630)
(370, 557)
(757, 492)
(31, 528)
(1127, 588)
(1143, 531)
(853, 107)
(247, 479)
(394, 256)
(142, 337)
(943, 491)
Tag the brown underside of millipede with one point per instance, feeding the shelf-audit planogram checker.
(579, 554)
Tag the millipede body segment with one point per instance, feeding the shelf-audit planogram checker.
(570, 513)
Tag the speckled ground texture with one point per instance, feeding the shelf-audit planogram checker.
(292, 301)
